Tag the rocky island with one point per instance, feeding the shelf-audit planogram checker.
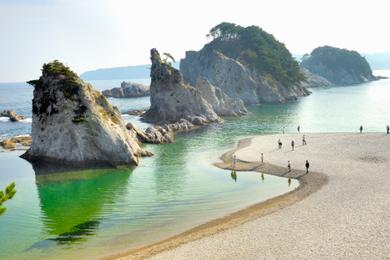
(74, 124)
(246, 63)
(338, 66)
(128, 90)
(179, 106)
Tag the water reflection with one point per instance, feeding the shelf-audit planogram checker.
(72, 202)
(233, 174)
(170, 163)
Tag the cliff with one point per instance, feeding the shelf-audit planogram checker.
(172, 100)
(338, 66)
(74, 124)
(127, 90)
(246, 63)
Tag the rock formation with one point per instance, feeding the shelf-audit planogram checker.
(246, 63)
(338, 66)
(313, 80)
(152, 135)
(172, 100)
(16, 142)
(222, 104)
(11, 115)
(74, 124)
(128, 90)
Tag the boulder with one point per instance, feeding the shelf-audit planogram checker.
(172, 100)
(12, 115)
(8, 144)
(128, 90)
(74, 124)
(152, 135)
(16, 142)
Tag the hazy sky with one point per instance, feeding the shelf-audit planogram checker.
(88, 34)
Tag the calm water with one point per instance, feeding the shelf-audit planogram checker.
(95, 212)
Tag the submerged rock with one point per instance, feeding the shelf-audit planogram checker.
(75, 124)
(172, 100)
(128, 90)
(12, 115)
(338, 66)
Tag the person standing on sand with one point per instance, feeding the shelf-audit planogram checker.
(280, 144)
(307, 165)
(299, 128)
(361, 129)
(304, 140)
(289, 166)
(262, 158)
(387, 129)
(292, 144)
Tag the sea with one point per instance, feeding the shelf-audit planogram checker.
(98, 212)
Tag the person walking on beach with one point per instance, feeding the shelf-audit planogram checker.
(289, 166)
(299, 128)
(307, 165)
(292, 144)
(361, 129)
(262, 158)
(280, 144)
(304, 140)
(387, 129)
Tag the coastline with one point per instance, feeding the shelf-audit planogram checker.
(309, 183)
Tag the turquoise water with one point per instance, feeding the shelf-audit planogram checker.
(98, 212)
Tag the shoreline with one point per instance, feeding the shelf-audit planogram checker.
(308, 184)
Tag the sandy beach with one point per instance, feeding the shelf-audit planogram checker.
(341, 210)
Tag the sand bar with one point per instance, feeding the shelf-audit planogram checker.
(342, 210)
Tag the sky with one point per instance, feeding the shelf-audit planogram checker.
(91, 34)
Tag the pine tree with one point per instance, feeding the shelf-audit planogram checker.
(7, 195)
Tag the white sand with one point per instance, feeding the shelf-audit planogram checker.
(348, 218)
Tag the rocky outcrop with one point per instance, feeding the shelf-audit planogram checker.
(222, 104)
(152, 135)
(135, 112)
(11, 115)
(338, 66)
(313, 80)
(235, 79)
(16, 142)
(74, 124)
(172, 100)
(128, 90)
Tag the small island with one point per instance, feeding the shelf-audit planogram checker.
(338, 66)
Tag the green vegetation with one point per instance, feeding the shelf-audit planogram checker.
(55, 68)
(337, 60)
(58, 68)
(167, 57)
(7, 195)
(256, 48)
